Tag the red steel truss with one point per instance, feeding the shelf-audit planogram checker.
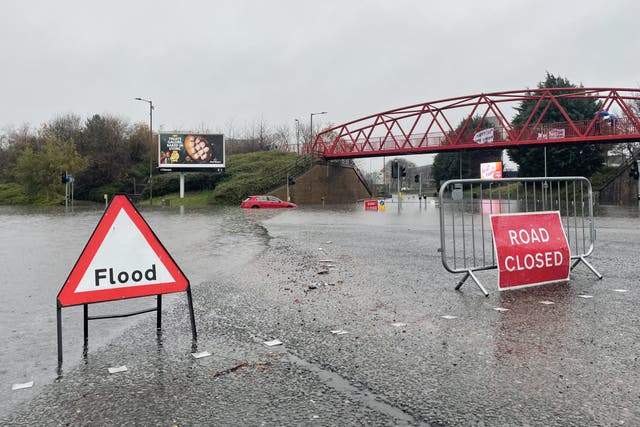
(429, 127)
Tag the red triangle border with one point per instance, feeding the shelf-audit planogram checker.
(67, 295)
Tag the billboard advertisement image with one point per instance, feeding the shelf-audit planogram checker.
(491, 170)
(190, 151)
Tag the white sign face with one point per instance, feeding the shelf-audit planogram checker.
(124, 259)
(483, 136)
(552, 134)
(492, 170)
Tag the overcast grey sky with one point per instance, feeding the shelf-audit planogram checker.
(206, 64)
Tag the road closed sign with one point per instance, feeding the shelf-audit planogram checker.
(123, 259)
(370, 205)
(531, 249)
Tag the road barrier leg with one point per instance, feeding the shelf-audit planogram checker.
(589, 266)
(468, 274)
(464, 279)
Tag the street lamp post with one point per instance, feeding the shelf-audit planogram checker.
(311, 127)
(151, 141)
(297, 136)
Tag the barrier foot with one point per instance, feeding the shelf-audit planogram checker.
(461, 282)
(475, 279)
(589, 266)
(468, 274)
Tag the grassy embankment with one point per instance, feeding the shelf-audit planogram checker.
(245, 174)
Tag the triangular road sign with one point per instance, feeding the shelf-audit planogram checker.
(123, 259)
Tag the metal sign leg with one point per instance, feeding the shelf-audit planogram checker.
(159, 318)
(59, 330)
(193, 318)
(86, 323)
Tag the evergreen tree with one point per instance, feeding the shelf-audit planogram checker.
(39, 171)
(447, 165)
(562, 159)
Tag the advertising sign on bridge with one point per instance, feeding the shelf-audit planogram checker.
(531, 249)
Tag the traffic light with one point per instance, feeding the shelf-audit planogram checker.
(416, 178)
(394, 170)
(403, 172)
(63, 177)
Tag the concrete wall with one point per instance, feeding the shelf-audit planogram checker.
(621, 191)
(336, 184)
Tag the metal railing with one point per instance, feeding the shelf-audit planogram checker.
(466, 206)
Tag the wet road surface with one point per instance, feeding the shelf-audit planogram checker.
(415, 351)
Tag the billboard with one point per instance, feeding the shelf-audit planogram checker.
(190, 151)
(491, 170)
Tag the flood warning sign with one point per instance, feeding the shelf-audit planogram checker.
(123, 259)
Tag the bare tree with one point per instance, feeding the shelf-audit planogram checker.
(281, 138)
(230, 127)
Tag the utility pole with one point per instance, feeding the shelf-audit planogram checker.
(397, 166)
(311, 129)
(288, 197)
(297, 136)
(148, 101)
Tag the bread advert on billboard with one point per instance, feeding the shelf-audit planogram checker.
(190, 151)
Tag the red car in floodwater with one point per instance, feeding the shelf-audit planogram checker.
(268, 202)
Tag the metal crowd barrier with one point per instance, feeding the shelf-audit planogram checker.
(466, 206)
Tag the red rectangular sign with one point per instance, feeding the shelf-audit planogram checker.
(370, 205)
(531, 249)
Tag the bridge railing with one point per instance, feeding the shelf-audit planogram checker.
(557, 131)
(466, 206)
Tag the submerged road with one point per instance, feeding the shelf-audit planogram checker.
(373, 333)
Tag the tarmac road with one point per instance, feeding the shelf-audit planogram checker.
(400, 362)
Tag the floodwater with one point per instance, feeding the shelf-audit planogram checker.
(39, 247)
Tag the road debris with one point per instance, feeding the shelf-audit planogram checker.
(243, 365)
(201, 354)
(117, 369)
(273, 343)
(316, 285)
(232, 369)
(21, 386)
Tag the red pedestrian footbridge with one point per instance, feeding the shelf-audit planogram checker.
(434, 126)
